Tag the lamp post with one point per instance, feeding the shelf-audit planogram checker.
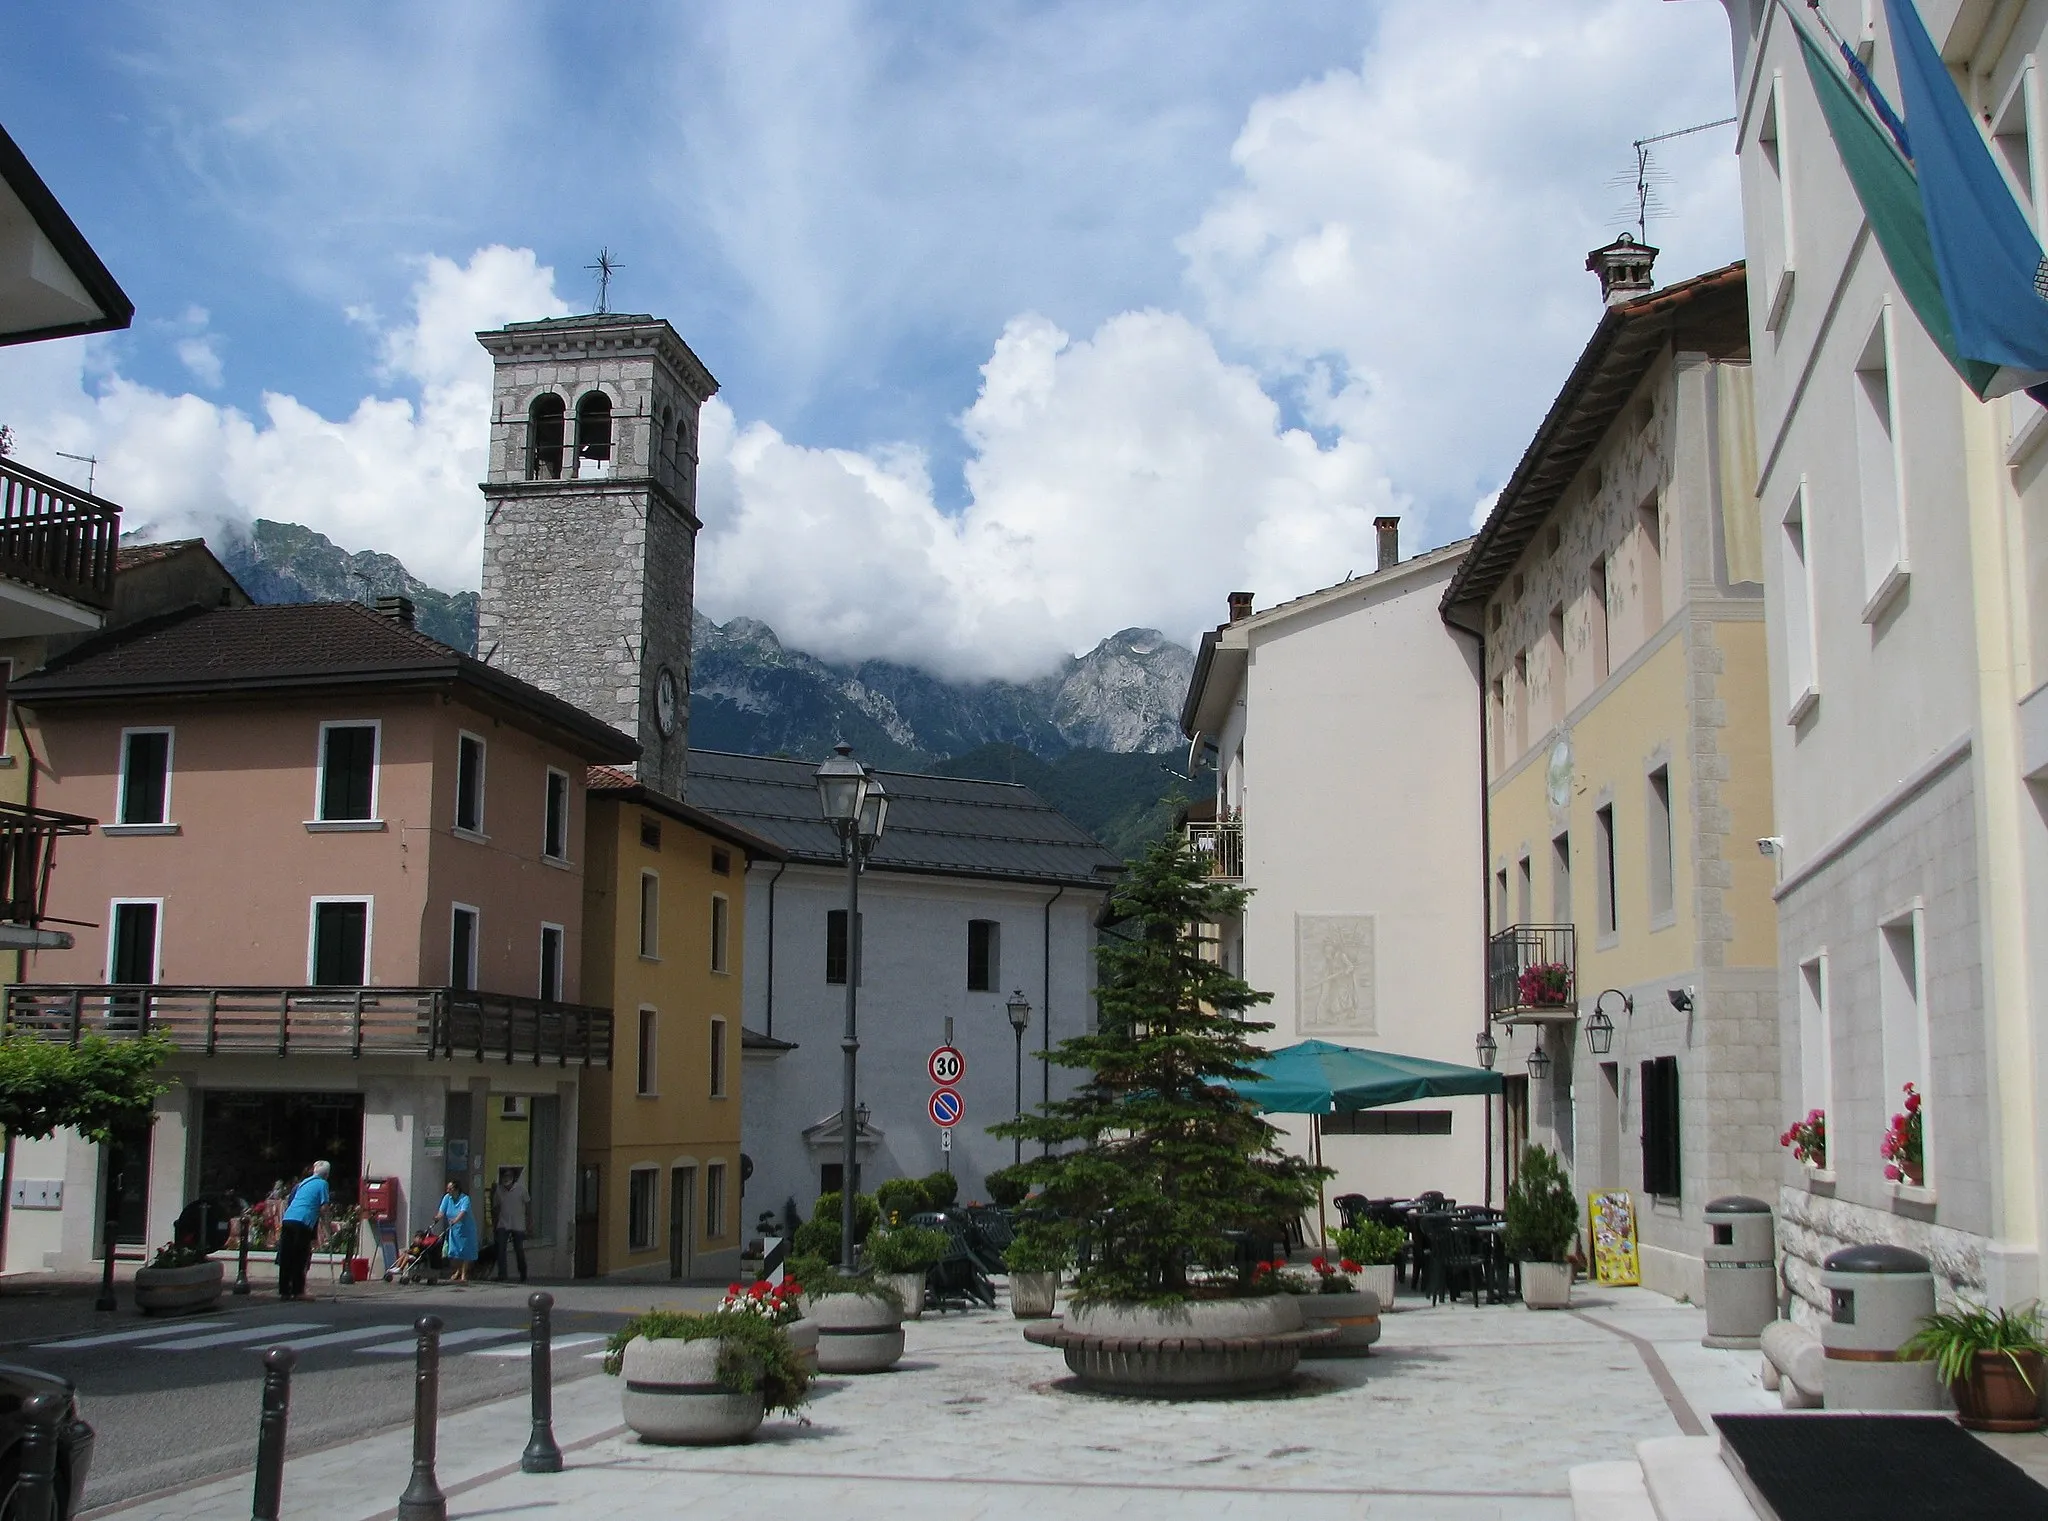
(1020, 1021)
(856, 805)
(1600, 1027)
(1487, 1047)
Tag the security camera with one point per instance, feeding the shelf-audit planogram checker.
(1681, 999)
(1771, 845)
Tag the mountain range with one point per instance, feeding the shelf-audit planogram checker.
(1097, 737)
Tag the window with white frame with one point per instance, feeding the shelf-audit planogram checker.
(641, 1201)
(1816, 1039)
(347, 787)
(554, 832)
(338, 955)
(1561, 879)
(552, 940)
(1773, 243)
(718, 1058)
(134, 940)
(1658, 840)
(1902, 1011)
(1608, 899)
(1795, 568)
(645, 1082)
(1879, 478)
(145, 794)
(650, 915)
(721, 931)
(469, 784)
(464, 923)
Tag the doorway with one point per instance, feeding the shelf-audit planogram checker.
(125, 1185)
(682, 1211)
(589, 1194)
(1514, 1103)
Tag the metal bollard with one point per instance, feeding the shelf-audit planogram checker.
(35, 1495)
(270, 1430)
(542, 1455)
(423, 1500)
(242, 1258)
(106, 1299)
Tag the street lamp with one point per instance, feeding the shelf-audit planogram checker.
(1600, 1028)
(856, 805)
(1539, 1064)
(1020, 1021)
(1487, 1047)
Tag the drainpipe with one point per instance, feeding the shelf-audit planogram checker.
(771, 944)
(1478, 633)
(1045, 997)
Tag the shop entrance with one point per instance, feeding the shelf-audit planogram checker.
(249, 1142)
(124, 1163)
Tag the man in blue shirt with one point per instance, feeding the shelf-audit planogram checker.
(296, 1231)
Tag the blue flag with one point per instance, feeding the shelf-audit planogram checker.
(1993, 279)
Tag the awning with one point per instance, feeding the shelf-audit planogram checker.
(1317, 1077)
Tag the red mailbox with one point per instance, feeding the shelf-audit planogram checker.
(380, 1198)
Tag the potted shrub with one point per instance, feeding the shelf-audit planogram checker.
(177, 1281)
(902, 1257)
(1376, 1248)
(704, 1380)
(1991, 1360)
(1903, 1147)
(1329, 1296)
(898, 1199)
(1162, 1165)
(860, 1323)
(819, 1235)
(941, 1190)
(1808, 1139)
(1543, 1226)
(1035, 1261)
(1005, 1189)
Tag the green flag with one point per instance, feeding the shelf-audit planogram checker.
(1891, 200)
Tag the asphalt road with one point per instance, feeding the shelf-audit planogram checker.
(177, 1400)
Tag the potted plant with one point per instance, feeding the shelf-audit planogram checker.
(1329, 1296)
(1543, 1226)
(178, 1280)
(1544, 984)
(1376, 1248)
(860, 1322)
(704, 1380)
(1035, 1260)
(903, 1256)
(342, 1240)
(1808, 1139)
(1903, 1145)
(900, 1198)
(1991, 1360)
(1163, 1166)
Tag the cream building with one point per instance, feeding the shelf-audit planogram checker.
(1617, 589)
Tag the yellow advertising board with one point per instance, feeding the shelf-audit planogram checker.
(1614, 1237)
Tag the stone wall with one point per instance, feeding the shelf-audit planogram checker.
(1812, 1223)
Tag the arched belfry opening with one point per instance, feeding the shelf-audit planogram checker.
(545, 425)
(594, 434)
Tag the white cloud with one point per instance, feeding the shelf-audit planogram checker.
(202, 357)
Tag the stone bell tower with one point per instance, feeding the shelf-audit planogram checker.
(590, 526)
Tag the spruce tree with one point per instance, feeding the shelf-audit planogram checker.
(1163, 1159)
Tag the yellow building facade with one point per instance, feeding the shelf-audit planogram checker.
(659, 1168)
(1618, 589)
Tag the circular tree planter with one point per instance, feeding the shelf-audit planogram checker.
(1184, 1351)
(857, 1333)
(1547, 1285)
(178, 1290)
(1032, 1294)
(1355, 1317)
(803, 1336)
(909, 1288)
(672, 1395)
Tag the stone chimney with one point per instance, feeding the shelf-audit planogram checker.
(398, 609)
(1624, 269)
(1389, 530)
(1240, 606)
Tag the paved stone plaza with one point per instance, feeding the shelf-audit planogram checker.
(1460, 1413)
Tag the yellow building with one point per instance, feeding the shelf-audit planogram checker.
(1617, 588)
(658, 1164)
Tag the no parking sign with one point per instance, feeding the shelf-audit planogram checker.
(945, 1108)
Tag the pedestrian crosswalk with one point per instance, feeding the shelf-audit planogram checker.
(384, 1339)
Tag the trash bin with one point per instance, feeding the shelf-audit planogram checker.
(1742, 1271)
(1877, 1297)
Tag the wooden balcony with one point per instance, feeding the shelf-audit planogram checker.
(28, 849)
(436, 1023)
(1220, 842)
(1532, 973)
(57, 538)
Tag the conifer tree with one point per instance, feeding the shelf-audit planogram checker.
(1163, 1159)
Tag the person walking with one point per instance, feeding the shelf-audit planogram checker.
(458, 1223)
(510, 1204)
(297, 1228)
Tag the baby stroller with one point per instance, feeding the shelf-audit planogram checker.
(420, 1262)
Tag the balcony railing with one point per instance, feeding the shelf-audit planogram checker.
(1221, 844)
(429, 1022)
(28, 849)
(1532, 972)
(55, 537)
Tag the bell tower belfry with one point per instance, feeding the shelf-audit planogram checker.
(590, 526)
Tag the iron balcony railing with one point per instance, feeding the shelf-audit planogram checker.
(1221, 844)
(1532, 968)
(28, 849)
(429, 1022)
(56, 537)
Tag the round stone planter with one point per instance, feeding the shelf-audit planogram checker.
(1355, 1317)
(910, 1288)
(179, 1290)
(1381, 1279)
(1547, 1285)
(671, 1395)
(1202, 1348)
(803, 1336)
(856, 1334)
(1032, 1294)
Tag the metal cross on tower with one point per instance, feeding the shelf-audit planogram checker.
(603, 269)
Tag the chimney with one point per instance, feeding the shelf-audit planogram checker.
(1240, 606)
(1624, 269)
(1389, 530)
(398, 609)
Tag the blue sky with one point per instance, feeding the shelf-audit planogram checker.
(1033, 321)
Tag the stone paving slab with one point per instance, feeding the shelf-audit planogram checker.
(1460, 1415)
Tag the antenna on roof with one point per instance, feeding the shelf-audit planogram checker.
(605, 267)
(1645, 183)
(90, 461)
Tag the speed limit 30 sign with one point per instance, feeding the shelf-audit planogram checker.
(946, 1066)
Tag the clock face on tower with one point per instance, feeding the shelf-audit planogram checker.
(666, 696)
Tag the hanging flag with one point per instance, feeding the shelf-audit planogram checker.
(1992, 274)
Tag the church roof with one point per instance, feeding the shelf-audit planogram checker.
(938, 825)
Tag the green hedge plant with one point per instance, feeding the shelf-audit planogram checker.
(1005, 1189)
(907, 1249)
(941, 1190)
(1543, 1216)
(1374, 1244)
(900, 1198)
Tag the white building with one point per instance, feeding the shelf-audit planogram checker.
(1346, 726)
(977, 891)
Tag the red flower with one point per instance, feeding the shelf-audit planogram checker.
(1349, 1266)
(732, 1291)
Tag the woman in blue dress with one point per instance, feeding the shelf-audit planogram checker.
(458, 1222)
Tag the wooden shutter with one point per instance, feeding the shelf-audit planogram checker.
(1659, 1090)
